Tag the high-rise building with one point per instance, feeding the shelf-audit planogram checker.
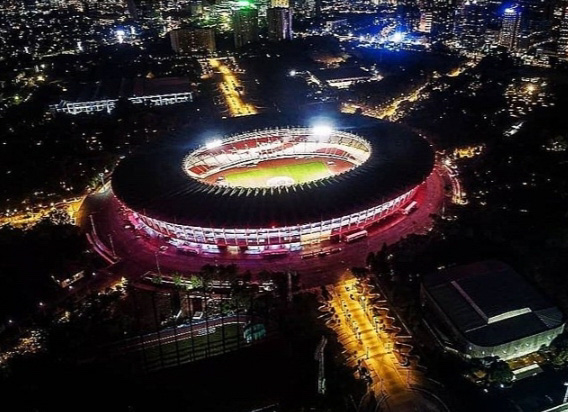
(563, 35)
(279, 21)
(408, 15)
(425, 23)
(472, 17)
(536, 22)
(132, 10)
(245, 25)
(510, 28)
(191, 40)
(537, 15)
(279, 3)
(443, 12)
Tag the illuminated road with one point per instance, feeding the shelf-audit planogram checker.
(70, 206)
(231, 89)
(373, 349)
(392, 111)
(368, 345)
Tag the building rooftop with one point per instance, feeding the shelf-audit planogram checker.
(342, 73)
(152, 181)
(490, 303)
(125, 88)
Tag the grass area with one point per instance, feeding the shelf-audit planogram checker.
(259, 176)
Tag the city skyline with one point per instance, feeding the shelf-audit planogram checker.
(284, 205)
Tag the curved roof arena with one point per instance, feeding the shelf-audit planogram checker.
(153, 183)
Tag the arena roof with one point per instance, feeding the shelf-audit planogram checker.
(491, 304)
(152, 181)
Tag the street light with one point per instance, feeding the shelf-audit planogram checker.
(158, 263)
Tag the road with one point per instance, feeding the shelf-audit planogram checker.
(368, 345)
(231, 88)
(139, 254)
(70, 206)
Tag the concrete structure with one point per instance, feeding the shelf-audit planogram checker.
(443, 15)
(185, 196)
(563, 35)
(425, 23)
(245, 26)
(279, 22)
(132, 10)
(192, 40)
(280, 3)
(487, 309)
(471, 22)
(408, 15)
(510, 28)
(343, 77)
(103, 96)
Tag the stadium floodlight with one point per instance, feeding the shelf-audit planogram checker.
(213, 144)
(322, 131)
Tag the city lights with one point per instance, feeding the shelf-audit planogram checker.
(397, 37)
(179, 176)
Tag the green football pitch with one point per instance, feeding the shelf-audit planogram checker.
(258, 177)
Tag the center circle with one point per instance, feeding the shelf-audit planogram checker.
(277, 157)
(280, 181)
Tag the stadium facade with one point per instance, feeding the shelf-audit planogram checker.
(187, 196)
(486, 309)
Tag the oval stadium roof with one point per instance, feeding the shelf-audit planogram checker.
(153, 183)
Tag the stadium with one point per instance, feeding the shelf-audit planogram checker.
(273, 184)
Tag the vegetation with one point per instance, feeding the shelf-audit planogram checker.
(31, 261)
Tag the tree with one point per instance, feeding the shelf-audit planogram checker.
(500, 373)
(196, 282)
(178, 280)
(359, 272)
(560, 350)
(370, 261)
